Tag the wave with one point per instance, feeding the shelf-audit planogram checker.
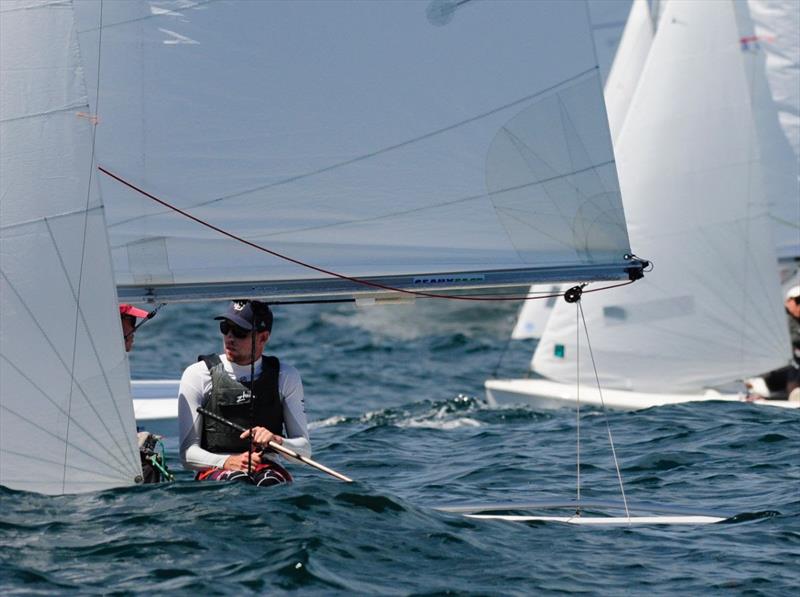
(443, 414)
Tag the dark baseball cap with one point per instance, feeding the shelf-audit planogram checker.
(244, 313)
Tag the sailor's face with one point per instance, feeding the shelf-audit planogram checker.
(238, 343)
(793, 307)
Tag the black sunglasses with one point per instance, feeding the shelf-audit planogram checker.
(225, 327)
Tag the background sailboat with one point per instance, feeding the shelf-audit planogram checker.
(770, 43)
(374, 140)
(696, 202)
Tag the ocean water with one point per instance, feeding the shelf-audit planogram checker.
(395, 397)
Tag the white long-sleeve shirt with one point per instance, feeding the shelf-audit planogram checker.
(195, 390)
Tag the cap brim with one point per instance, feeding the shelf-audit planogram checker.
(131, 310)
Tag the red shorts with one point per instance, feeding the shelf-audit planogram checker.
(263, 475)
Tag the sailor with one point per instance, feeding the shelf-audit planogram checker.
(128, 314)
(154, 469)
(785, 382)
(792, 305)
(272, 406)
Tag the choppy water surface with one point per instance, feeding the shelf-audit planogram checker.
(396, 400)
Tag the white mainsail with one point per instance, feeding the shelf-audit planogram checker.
(66, 418)
(770, 39)
(626, 68)
(634, 46)
(434, 146)
(429, 146)
(690, 167)
(534, 313)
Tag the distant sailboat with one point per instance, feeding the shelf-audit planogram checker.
(280, 150)
(770, 42)
(692, 155)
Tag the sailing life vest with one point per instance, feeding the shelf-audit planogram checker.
(232, 400)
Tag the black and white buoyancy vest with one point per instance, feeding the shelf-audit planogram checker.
(232, 400)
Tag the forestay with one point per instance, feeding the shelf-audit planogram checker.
(66, 419)
(425, 145)
(690, 168)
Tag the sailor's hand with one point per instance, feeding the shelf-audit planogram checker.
(262, 436)
(238, 462)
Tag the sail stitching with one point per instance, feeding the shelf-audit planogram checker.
(725, 268)
(52, 401)
(512, 213)
(519, 144)
(32, 482)
(89, 335)
(762, 285)
(567, 120)
(317, 268)
(377, 152)
(79, 104)
(59, 358)
(121, 469)
(51, 218)
(437, 205)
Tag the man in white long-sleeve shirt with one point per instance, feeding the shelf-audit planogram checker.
(222, 384)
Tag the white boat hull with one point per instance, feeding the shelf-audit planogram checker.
(547, 394)
(638, 514)
(604, 520)
(155, 399)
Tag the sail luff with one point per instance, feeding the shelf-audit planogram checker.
(66, 417)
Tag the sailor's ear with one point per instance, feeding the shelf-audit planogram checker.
(264, 336)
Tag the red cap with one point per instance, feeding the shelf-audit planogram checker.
(126, 309)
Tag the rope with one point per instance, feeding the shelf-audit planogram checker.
(159, 461)
(578, 410)
(147, 318)
(164, 469)
(605, 413)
